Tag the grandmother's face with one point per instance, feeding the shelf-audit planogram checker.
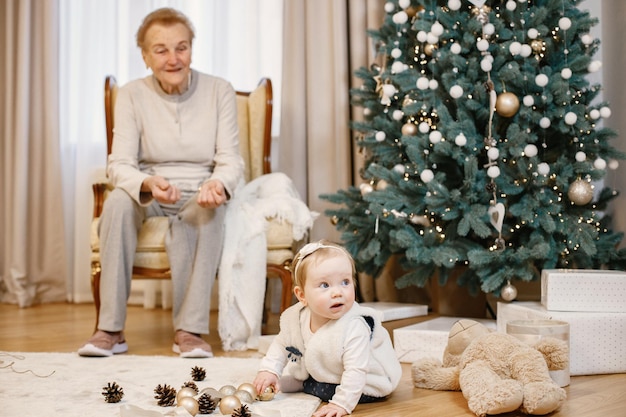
(167, 53)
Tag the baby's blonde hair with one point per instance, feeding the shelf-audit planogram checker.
(313, 253)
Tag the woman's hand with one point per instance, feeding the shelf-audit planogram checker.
(330, 410)
(211, 194)
(161, 189)
(265, 379)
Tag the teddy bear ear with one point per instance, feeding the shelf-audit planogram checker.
(461, 326)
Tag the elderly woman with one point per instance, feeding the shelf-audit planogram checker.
(175, 153)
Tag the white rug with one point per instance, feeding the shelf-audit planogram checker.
(65, 384)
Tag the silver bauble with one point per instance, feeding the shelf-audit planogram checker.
(509, 292)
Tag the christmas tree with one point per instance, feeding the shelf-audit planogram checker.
(483, 145)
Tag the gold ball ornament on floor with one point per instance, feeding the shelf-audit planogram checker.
(228, 404)
(185, 392)
(227, 390)
(507, 104)
(580, 192)
(267, 394)
(246, 386)
(190, 404)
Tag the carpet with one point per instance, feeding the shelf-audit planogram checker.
(65, 384)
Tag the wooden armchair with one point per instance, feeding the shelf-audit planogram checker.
(255, 123)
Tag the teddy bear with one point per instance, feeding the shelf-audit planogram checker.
(496, 372)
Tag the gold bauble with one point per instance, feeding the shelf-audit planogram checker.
(184, 393)
(190, 404)
(215, 394)
(413, 10)
(538, 46)
(246, 386)
(228, 390)
(409, 129)
(228, 404)
(580, 192)
(334, 220)
(507, 104)
(267, 394)
(429, 49)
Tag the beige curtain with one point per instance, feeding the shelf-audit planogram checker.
(324, 42)
(32, 250)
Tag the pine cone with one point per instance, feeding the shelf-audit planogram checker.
(243, 411)
(192, 385)
(113, 393)
(206, 404)
(165, 395)
(198, 373)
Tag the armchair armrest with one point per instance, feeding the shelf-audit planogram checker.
(100, 190)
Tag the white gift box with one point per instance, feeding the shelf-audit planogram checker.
(396, 311)
(427, 339)
(597, 340)
(583, 290)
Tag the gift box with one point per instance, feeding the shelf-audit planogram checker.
(583, 290)
(396, 311)
(427, 339)
(597, 340)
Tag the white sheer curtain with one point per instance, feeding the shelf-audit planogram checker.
(239, 40)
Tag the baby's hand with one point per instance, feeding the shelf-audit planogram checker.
(330, 410)
(265, 379)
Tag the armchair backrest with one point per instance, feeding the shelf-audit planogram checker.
(254, 116)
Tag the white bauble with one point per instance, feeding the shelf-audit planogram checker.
(489, 29)
(454, 4)
(423, 127)
(482, 45)
(594, 66)
(532, 33)
(543, 168)
(605, 112)
(566, 73)
(565, 23)
(389, 7)
(493, 153)
(427, 176)
(422, 36)
(586, 39)
(493, 172)
(400, 18)
(545, 122)
(456, 91)
(433, 84)
(435, 136)
(528, 100)
(599, 163)
(404, 3)
(594, 114)
(380, 136)
(511, 5)
(436, 29)
(397, 115)
(485, 65)
(581, 156)
(397, 67)
(396, 53)
(399, 168)
(613, 164)
(541, 80)
(460, 140)
(455, 48)
(432, 39)
(526, 51)
(570, 118)
(422, 83)
(515, 48)
(530, 150)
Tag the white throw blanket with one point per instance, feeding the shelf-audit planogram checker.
(242, 271)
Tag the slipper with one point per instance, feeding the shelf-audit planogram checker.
(103, 344)
(189, 345)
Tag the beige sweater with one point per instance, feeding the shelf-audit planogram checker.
(186, 139)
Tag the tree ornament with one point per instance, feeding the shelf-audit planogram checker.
(334, 220)
(243, 411)
(198, 373)
(409, 129)
(206, 404)
(185, 392)
(165, 395)
(190, 404)
(509, 292)
(430, 49)
(113, 393)
(227, 390)
(507, 104)
(244, 396)
(580, 192)
(268, 393)
(228, 404)
(246, 386)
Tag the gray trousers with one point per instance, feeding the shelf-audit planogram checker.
(194, 247)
